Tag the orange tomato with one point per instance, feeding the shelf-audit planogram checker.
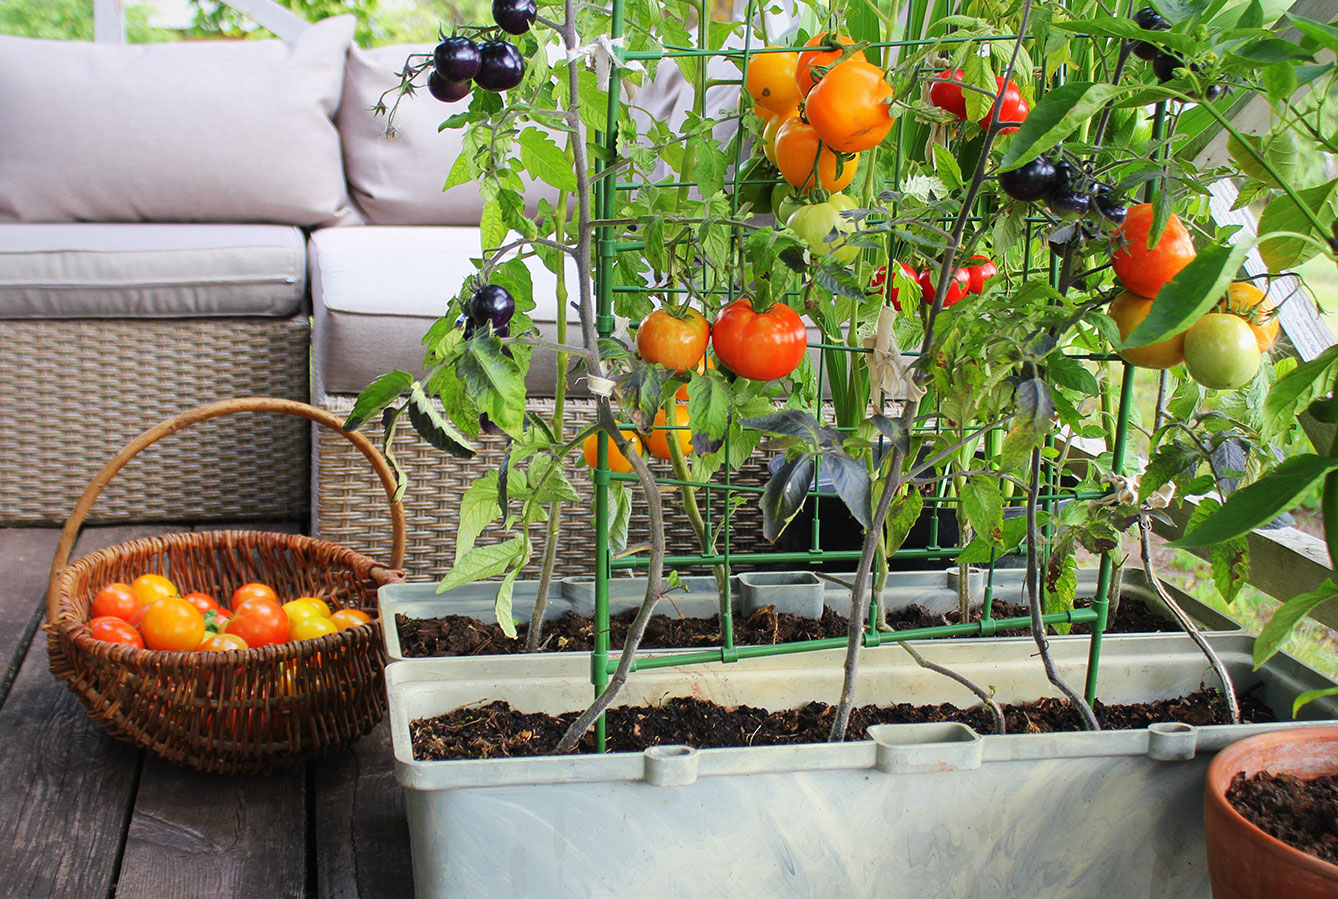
(347, 618)
(676, 343)
(1253, 305)
(617, 461)
(115, 601)
(768, 138)
(252, 591)
(153, 587)
(1146, 271)
(172, 624)
(804, 76)
(702, 366)
(849, 108)
(222, 643)
(1129, 310)
(797, 146)
(658, 441)
(771, 80)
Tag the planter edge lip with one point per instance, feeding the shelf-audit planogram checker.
(1215, 798)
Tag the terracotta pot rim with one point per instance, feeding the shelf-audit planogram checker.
(1225, 760)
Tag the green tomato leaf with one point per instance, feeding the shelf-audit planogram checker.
(981, 550)
(851, 479)
(495, 382)
(947, 167)
(982, 503)
(478, 509)
(784, 494)
(484, 562)
(902, 515)
(1260, 502)
(502, 604)
(1056, 116)
(1290, 393)
(434, 427)
(976, 72)
(1191, 293)
(1310, 696)
(708, 404)
(1281, 214)
(1324, 35)
(1284, 620)
(376, 396)
(544, 159)
(1061, 587)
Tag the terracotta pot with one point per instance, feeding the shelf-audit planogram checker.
(1243, 861)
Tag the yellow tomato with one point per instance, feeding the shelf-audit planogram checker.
(300, 609)
(152, 587)
(347, 618)
(311, 628)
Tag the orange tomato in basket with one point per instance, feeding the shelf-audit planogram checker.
(153, 587)
(347, 618)
(172, 624)
(253, 591)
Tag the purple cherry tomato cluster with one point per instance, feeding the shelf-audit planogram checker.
(494, 65)
(1065, 187)
(1164, 64)
(491, 306)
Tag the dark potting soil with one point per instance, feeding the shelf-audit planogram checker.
(496, 730)
(460, 635)
(1301, 813)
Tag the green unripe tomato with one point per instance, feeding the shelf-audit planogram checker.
(1221, 352)
(784, 203)
(756, 189)
(823, 228)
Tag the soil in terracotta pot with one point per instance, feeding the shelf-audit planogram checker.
(495, 730)
(459, 635)
(1301, 813)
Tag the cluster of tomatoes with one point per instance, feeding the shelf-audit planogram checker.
(947, 93)
(1163, 64)
(971, 278)
(150, 613)
(819, 111)
(1065, 187)
(1224, 348)
(495, 65)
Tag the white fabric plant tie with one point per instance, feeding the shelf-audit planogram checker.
(602, 54)
(889, 370)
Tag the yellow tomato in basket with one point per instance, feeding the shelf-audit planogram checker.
(321, 605)
(347, 618)
(152, 587)
(311, 628)
(301, 609)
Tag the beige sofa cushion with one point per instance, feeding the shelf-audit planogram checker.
(202, 131)
(159, 271)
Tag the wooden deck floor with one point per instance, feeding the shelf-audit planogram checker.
(86, 817)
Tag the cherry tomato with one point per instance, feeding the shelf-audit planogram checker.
(202, 601)
(347, 618)
(658, 440)
(321, 605)
(1143, 271)
(153, 587)
(110, 629)
(311, 628)
(117, 601)
(771, 80)
(947, 94)
(1221, 351)
(1012, 108)
(252, 591)
(617, 461)
(1129, 310)
(172, 624)
(804, 76)
(979, 273)
(851, 107)
(879, 281)
(797, 146)
(824, 228)
(222, 643)
(259, 621)
(784, 202)
(957, 287)
(759, 345)
(1254, 307)
(676, 343)
(297, 609)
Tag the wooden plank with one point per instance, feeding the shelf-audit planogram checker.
(26, 555)
(196, 834)
(362, 837)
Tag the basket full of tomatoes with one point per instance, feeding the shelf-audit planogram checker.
(224, 651)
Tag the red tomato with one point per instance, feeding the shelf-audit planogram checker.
(202, 601)
(759, 345)
(948, 94)
(979, 273)
(259, 622)
(879, 281)
(676, 343)
(116, 601)
(172, 624)
(252, 591)
(1143, 271)
(1013, 109)
(111, 629)
(957, 288)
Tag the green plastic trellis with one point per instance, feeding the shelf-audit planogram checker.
(607, 247)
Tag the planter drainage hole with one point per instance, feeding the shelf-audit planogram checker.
(670, 766)
(1172, 741)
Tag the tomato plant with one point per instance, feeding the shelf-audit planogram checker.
(110, 629)
(259, 621)
(1128, 310)
(850, 108)
(706, 363)
(759, 345)
(675, 339)
(771, 80)
(1221, 351)
(1146, 271)
(117, 601)
(798, 147)
(172, 624)
(809, 59)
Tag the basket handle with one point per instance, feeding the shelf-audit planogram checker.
(204, 413)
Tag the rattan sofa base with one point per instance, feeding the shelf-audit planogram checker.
(349, 509)
(76, 390)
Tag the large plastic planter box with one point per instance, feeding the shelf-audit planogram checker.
(920, 810)
(937, 591)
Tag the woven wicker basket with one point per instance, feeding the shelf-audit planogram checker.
(227, 712)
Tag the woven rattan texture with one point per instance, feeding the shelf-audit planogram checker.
(228, 712)
(350, 507)
(76, 391)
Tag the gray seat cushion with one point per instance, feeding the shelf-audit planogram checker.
(160, 271)
(377, 289)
